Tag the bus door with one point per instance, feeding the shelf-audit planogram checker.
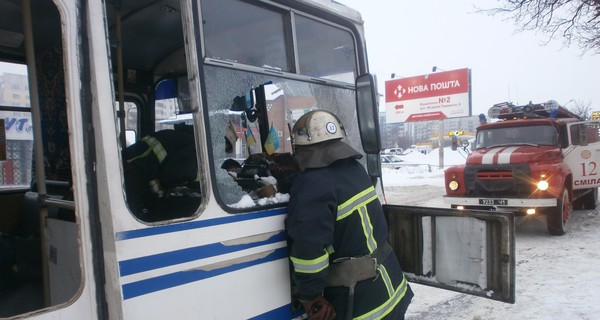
(46, 193)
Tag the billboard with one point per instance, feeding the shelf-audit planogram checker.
(432, 96)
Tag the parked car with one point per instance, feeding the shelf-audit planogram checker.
(391, 161)
(396, 151)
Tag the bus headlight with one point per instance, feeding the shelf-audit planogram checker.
(453, 185)
(543, 185)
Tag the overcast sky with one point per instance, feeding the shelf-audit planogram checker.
(408, 38)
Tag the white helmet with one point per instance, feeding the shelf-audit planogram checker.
(317, 126)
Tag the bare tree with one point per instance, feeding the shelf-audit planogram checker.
(575, 21)
(582, 109)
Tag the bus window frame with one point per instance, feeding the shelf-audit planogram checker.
(335, 22)
(290, 31)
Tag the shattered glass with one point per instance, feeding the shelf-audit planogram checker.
(287, 100)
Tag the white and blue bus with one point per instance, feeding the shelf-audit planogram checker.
(86, 79)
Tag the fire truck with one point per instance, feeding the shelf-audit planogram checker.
(534, 159)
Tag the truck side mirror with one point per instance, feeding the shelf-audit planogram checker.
(465, 145)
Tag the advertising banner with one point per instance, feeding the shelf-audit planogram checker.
(17, 125)
(433, 96)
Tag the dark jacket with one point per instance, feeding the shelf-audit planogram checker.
(334, 212)
(167, 160)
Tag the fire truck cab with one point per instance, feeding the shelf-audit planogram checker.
(535, 159)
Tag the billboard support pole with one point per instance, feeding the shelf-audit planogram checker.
(441, 144)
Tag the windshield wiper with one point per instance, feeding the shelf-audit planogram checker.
(512, 144)
(496, 145)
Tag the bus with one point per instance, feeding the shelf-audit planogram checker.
(83, 82)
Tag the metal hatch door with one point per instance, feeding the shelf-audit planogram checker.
(466, 251)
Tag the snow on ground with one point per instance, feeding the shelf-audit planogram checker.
(557, 277)
(421, 169)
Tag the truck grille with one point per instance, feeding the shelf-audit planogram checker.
(498, 180)
(494, 175)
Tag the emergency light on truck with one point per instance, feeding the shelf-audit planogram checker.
(507, 110)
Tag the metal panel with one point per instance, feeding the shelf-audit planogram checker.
(467, 251)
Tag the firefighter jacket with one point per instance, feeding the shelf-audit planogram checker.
(334, 213)
(154, 165)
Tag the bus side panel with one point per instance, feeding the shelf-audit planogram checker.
(203, 266)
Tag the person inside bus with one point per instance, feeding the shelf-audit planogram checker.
(161, 174)
(336, 224)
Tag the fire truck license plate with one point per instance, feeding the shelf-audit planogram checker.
(493, 202)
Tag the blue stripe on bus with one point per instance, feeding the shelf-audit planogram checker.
(142, 287)
(132, 266)
(176, 227)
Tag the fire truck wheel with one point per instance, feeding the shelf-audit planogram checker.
(557, 217)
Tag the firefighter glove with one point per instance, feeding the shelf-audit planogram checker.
(319, 309)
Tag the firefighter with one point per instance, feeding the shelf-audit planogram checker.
(154, 167)
(342, 262)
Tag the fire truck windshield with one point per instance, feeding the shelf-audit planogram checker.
(541, 135)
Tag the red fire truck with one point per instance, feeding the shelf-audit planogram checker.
(535, 159)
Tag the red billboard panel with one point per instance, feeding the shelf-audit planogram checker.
(433, 96)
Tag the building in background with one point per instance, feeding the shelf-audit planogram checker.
(406, 134)
(14, 90)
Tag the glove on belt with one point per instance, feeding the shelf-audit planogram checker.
(349, 271)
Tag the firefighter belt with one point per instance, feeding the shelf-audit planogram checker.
(347, 272)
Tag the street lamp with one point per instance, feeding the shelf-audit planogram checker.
(565, 105)
(441, 141)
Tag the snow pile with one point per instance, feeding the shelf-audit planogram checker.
(423, 169)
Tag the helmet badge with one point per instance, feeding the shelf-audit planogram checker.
(331, 127)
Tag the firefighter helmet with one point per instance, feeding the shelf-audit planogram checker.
(317, 126)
